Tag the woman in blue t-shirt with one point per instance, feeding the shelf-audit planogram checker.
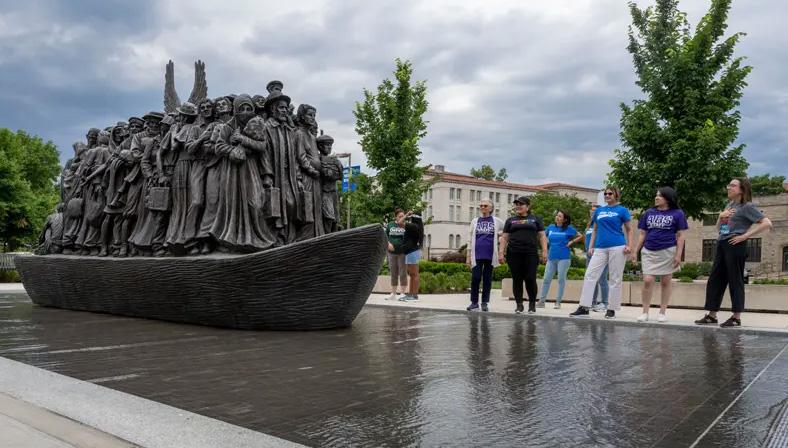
(560, 237)
(660, 245)
(611, 245)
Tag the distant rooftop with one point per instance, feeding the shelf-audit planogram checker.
(446, 176)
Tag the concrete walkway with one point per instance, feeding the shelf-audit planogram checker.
(770, 322)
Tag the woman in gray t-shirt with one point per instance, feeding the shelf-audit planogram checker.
(739, 221)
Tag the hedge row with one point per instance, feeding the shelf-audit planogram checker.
(9, 277)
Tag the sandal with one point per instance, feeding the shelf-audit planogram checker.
(707, 319)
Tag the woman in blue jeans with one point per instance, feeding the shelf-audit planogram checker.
(560, 237)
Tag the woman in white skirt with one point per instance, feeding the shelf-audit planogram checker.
(661, 244)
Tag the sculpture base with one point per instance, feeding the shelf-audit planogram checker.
(316, 284)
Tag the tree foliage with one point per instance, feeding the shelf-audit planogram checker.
(546, 204)
(681, 134)
(28, 170)
(767, 185)
(487, 172)
(390, 123)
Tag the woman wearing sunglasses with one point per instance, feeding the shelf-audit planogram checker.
(610, 246)
(523, 235)
(483, 253)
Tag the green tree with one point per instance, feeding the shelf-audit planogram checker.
(545, 204)
(681, 134)
(767, 185)
(487, 172)
(28, 170)
(390, 123)
(365, 203)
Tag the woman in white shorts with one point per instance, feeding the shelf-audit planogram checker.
(661, 244)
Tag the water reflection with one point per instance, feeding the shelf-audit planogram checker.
(416, 377)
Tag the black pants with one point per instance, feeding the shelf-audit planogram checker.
(523, 268)
(481, 273)
(727, 271)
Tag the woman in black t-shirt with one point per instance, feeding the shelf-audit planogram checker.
(522, 237)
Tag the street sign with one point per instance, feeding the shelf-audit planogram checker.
(345, 175)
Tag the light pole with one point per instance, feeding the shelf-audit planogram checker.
(349, 182)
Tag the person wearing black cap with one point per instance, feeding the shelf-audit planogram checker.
(522, 236)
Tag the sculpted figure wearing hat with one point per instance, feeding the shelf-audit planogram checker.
(330, 173)
(182, 230)
(114, 170)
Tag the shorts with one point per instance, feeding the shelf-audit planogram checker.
(413, 257)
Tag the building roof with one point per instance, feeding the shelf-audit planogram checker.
(449, 177)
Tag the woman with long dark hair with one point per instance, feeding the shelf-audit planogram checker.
(661, 245)
(560, 237)
(523, 235)
(611, 245)
(740, 221)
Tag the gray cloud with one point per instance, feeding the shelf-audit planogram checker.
(531, 87)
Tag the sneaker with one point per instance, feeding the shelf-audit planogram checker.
(610, 314)
(662, 318)
(581, 311)
(600, 307)
(557, 306)
(540, 304)
(472, 306)
(643, 317)
(410, 298)
(485, 307)
(393, 296)
(731, 322)
(707, 319)
(531, 309)
(404, 298)
(519, 309)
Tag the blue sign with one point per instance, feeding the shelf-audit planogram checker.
(345, 174)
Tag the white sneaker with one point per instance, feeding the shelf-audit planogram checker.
(662, 318)
(393, 296)
(643, 317)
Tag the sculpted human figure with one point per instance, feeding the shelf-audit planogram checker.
(223, 112)
(69, 189)
(280, 166)
(309, 161)
(51, 239)
(150, 231)
(182, 230)
(114, 171)
(91, 186)
(92, 137)
(330, 174)
(239, 224)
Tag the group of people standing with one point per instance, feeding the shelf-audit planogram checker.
(235, 173)
(405, 240)
(523, 242)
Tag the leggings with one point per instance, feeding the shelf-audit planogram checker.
(523, 268)
(397, 270)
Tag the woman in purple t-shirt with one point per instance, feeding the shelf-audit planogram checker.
(661, 244)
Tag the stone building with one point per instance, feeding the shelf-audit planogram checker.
(453, 201)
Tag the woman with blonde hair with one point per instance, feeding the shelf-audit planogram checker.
(482, 253)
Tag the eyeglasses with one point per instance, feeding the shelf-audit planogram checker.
(732, 185)
(608, 194)
(484, 206)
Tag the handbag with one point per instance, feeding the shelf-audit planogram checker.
(272, 206)
(158, 199)
(74, 208)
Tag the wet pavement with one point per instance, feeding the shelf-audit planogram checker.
(404, 377)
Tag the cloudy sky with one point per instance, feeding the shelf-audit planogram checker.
(530, 85)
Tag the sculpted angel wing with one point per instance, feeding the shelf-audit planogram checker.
(171, 100)
(200, 89)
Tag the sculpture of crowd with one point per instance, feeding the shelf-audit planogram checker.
(233, 174)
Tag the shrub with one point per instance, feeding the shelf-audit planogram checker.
(767, 281)
(691, 270)
(501, 272)
(685, 279)
(578, 262)
(441, 282)
(10, 277)
(453, 257)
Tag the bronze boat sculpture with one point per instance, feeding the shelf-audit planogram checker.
(316, 284)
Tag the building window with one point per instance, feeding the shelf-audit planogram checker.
(478, 195)
(709, 219)
(451, 241)
(457, 241)
(430, 194)
(459, 194)
(709, 250)
(508, 198)
(470, 214)
(492, 196)
(472, 195)
(451, 213)
(754, 250)
(429, 240)
(785, 258)
(429, 211)
(497, 198)
(451, 193)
